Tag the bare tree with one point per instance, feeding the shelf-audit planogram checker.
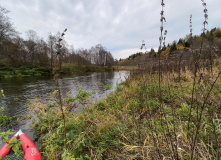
(42, 53)
(109, 59)
(52, 39)
(6, 27)
(31, 44)
(7, 32)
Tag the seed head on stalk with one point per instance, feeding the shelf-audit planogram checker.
(191, 29)
(162, 39)
(59, 46)
(143, 45)
(205, 16)
(195, 137)
(162, 20)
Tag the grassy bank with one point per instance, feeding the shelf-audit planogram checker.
(69, 69)
(127, 68)
(24, 71)
(180, 119)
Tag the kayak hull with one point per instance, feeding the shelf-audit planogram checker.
(31, 152)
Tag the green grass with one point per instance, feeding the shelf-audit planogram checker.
(24, 71)
(132, 123)
(67, 69)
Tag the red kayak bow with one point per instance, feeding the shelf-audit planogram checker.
(31, 152)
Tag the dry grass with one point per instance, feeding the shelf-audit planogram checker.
(133, 124)
(128, 68)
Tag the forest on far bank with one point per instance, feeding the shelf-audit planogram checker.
(15, 51)
(212, 40)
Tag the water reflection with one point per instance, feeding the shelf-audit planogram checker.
(18, 90)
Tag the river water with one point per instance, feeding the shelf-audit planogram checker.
(19, 91)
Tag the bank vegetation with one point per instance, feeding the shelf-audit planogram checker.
(35, 55)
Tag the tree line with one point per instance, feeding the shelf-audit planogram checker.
(212, 40)
(34, 50)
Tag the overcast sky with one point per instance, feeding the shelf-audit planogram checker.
(119, 25)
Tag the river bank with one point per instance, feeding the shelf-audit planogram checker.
(37, 71)
(140, 120)
(133, 123)
(18, 92)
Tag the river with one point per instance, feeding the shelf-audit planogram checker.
(19, 91)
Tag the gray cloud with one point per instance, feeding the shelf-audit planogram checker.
(118, 25)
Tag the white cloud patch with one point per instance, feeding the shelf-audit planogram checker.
(117, 20)
(117, 25)
(79, 7)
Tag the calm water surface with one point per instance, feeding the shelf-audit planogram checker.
(18, 91)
